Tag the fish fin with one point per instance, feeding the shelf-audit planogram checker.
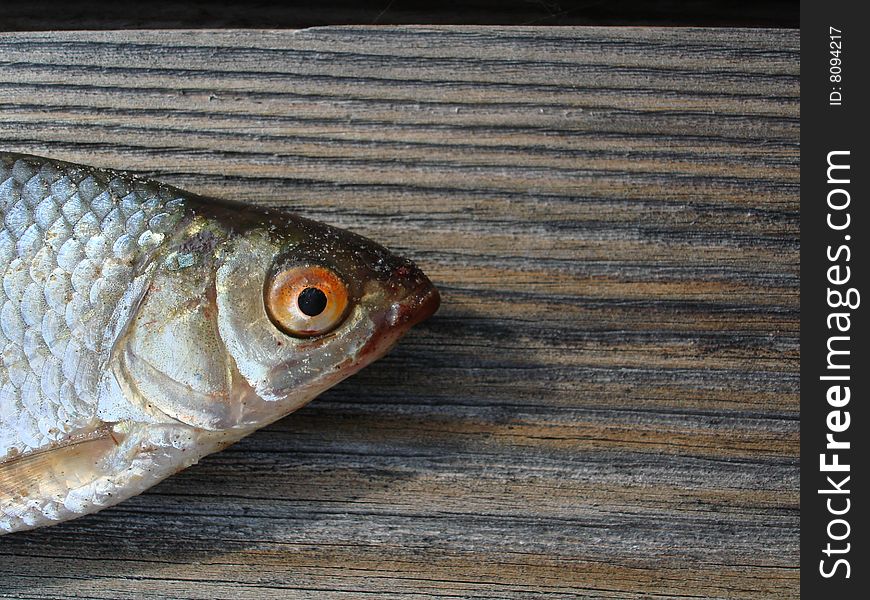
(52, 471)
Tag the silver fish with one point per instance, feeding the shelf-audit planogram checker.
(143, 327)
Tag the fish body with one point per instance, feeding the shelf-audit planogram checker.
(143, 327)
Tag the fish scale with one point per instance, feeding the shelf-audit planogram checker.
(68, 251)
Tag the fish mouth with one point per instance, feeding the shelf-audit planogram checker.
(416, 307)
(394, 322)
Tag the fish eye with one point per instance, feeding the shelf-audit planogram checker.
(306, 301)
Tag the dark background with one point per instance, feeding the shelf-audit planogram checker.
(823, 129)
(18, 15)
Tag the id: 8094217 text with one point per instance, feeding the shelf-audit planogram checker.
(835, 67)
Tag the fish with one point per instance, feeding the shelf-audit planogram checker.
(143, 327)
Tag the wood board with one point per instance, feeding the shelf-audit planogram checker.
(606, 405)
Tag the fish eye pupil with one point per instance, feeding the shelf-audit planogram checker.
(312, 301)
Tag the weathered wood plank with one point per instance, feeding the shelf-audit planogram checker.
(606, 405)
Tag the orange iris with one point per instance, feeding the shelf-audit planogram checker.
(306, 301)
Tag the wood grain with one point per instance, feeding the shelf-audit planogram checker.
(606, 405)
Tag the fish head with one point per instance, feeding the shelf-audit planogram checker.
(271, 310)
(315, 305)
